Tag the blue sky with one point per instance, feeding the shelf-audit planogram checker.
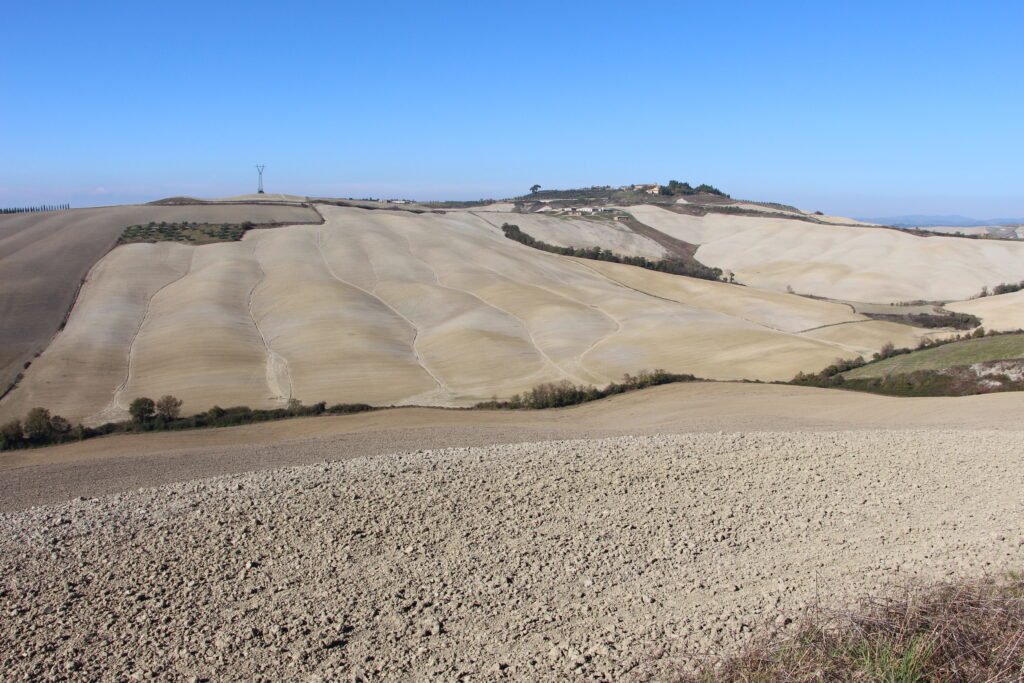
(853, 108)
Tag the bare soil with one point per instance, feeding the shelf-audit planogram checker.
(616, 559)
(119, 463)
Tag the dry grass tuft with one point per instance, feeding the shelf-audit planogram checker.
(967, 631)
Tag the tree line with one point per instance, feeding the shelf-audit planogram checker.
(675, 187)
(565, 393)
(35, 209)
(41, 428)
(674, 266)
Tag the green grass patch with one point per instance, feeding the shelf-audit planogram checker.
(965, 352)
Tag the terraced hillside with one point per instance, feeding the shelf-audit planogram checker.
(44, 256)
(394, 307)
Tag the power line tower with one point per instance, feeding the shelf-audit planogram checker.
(259, 169)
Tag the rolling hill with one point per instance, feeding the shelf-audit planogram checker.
(864, 264)
(401, 307)
(45, 256)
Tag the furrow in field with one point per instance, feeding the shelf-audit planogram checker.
(441, 392)
(278, 376)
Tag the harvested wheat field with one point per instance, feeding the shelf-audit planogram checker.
(579, 232)
(617, 558)
(842, 262)
(1003, 312)
(44, 256)
(395, 307)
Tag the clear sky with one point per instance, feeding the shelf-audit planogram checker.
(867, 108)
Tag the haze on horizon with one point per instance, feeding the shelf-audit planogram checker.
(871, 110)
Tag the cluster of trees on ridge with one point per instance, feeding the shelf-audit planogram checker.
(1003, 288)
(674, 266)
(675, 187)
(35, 209)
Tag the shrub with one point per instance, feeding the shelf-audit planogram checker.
(168, 407)
(1008, 287)
(565, 393)
(59, 426)
(37, 425)
(142, 409)
(349, 408)
(11, 435)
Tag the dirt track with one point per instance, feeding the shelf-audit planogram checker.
(559, 561)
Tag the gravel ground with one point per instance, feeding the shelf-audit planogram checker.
(572, 560)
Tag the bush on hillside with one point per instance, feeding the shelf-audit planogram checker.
(39, 428)
(168, 407)
(142, 409)
(565, 393)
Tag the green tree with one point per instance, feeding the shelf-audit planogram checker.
(168, 407)
(141, 409)
(10, 434)
(37, 424)
(535, 189)
(59, 426)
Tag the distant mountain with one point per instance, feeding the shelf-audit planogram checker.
(921, 220)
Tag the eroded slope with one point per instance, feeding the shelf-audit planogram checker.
(44, 256)
(842, 262)
(392, 307)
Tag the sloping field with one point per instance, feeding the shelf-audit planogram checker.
(964, 352)
(580, 232)
(850, 263)
(44, 256)
(1002, 312)
(391, 307)
(810, 318)
(605, 560)
(127, 461)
